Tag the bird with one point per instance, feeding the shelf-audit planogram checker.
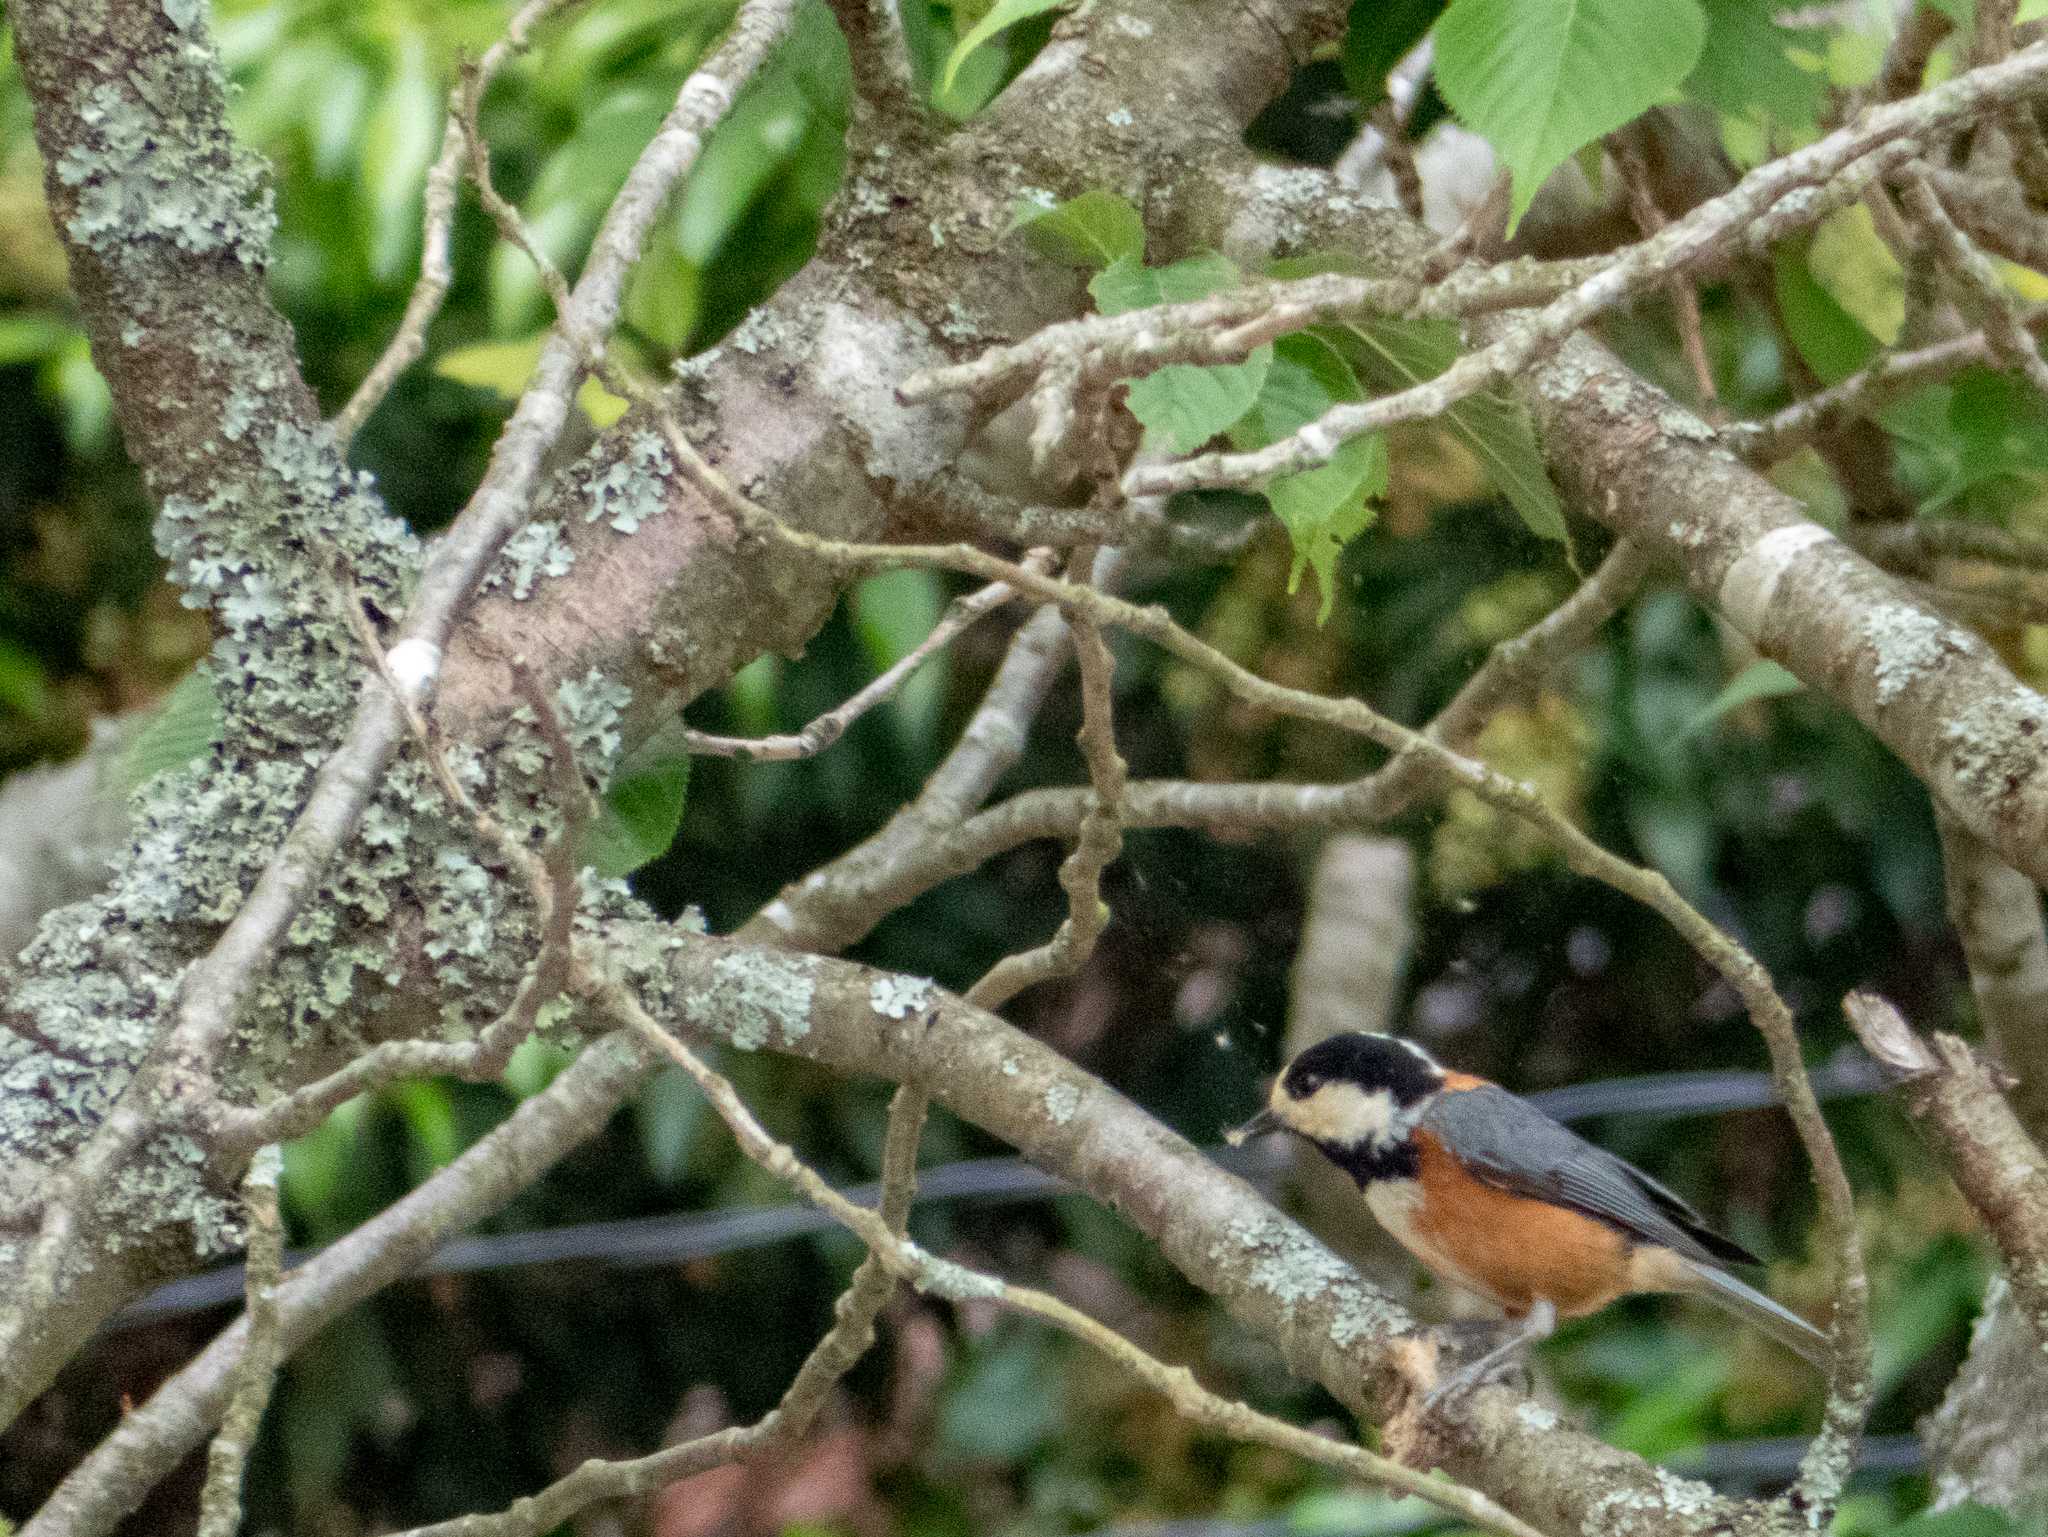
(1495, 1197)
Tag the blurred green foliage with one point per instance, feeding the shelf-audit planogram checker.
(1777, 814)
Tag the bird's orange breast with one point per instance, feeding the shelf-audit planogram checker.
(1508, 1248)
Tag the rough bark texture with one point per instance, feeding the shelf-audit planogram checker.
(1935, 693)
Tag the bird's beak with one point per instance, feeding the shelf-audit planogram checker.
(1257, 1126)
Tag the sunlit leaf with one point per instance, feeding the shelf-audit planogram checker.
(1183, 405)
(1001, 16)
(1539, 78)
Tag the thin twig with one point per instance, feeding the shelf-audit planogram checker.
(1684, 296)
(1959, 1106)
(822, 732)
(220, 1502)
(438, 223)
(1997, 305)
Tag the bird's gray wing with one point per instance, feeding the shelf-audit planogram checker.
(1515, 1147)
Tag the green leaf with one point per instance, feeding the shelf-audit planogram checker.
(1539, 78)
(1001, 16)
(1183, 405)
(1325, 508)
(1831, 340)
(433, 1135)
(1378, 36)
(1395, 354)
(1126, 284)
(317, 1167)
(1743, 67)
(1092, 230)
(666, 1116)
(23, 686)
(404, 133)
(643, 807)
(1966, 1520)
(893, 611)
(1007, 1402)
(1761, 679)
(533, 1065)
(27, 336)
(500, 367)
(184, 726)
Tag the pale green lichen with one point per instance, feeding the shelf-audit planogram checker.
(757, 999)
(537, 550)
(1061, 1101)
(1535, 1416)
(633, 485)
(591, 708)
(196, 189)
(898, 997)
(939, 1277)
(1909, 643)
(1287, 1264)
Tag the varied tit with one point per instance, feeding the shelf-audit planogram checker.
(1494, 1196)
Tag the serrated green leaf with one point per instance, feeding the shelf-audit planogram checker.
(184, 726)
(1396, 354)
(642, 808)
(1539, 78)
(1001, 16)
(1327, 507)
(1126, 284)
(1184, 405)
(1378, 36)
(1092, 230)
(1761, 679)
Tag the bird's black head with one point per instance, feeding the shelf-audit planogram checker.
(1351, 1090)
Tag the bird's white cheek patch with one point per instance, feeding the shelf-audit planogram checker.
(1341, 1113)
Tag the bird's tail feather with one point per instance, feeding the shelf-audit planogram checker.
(1775, 1319)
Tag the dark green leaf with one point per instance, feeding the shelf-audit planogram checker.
(643, 807)
(1092, 230)
(1393, 355)
(1378, 36)
(1008, 1401)
(666, 1115)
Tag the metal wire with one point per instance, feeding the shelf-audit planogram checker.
(674, 1239)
